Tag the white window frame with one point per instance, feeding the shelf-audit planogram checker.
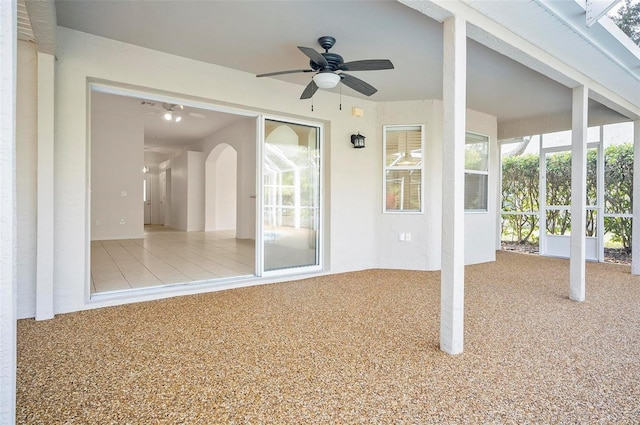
(477, 172)
(387, 168)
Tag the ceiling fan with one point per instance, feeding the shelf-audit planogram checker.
(326, 66)
(169, 111)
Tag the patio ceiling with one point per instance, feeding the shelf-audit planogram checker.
(261, 36)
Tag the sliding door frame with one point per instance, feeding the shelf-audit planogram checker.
(260, 152)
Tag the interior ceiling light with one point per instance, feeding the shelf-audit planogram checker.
(170, 116)
(326, 80)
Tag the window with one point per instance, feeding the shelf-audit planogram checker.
(476, 172)
(403, 147)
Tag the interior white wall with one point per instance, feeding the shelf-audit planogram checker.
(178, 188)
(221, 188)
(117, 141)
(26, 169)
(226, 182)
(164, 199)
(241, 135)
(152, 160)
(155, 194)
(195, 191)
(423, 252)
(187, 191)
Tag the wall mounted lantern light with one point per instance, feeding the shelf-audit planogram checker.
(357, 140)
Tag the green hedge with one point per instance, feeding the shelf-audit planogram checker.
(520, 193)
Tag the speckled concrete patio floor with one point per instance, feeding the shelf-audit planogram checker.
(350, 348)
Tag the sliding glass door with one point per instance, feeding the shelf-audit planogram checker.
(291, 195)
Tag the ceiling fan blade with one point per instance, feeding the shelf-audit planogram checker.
(314, 56)
(293, 71)
(367, 65)
(357, 84)
(309, 91)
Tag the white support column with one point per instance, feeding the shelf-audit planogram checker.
(454, 102)
(635, 237)
(600, 197)
(44, 256)
(8, 45)
(578, 193)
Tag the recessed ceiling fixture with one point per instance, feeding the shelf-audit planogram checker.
(326, 66)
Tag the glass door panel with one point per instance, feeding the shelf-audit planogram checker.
(291, 201)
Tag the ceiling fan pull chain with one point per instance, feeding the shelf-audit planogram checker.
(311, 103)
(341, 97)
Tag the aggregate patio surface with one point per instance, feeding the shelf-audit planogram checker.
(349, 348)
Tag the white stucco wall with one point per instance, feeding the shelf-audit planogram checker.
(480, 228)
(26, 168)
(351, 193)
(423, 252)
(117, 159)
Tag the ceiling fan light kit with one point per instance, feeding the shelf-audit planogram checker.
(326, 66)
(326, 80)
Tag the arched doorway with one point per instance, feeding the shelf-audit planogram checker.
(221, 188)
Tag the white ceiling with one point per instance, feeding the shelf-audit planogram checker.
(261, 36)
(161, 136)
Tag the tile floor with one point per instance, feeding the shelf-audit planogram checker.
(167, 256)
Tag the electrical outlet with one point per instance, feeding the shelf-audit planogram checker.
(123, 193)
(122, 221)
(402, 237)
(407, 237)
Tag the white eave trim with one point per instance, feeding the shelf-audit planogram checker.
(596, 9)
(42, 14)
(615, 39)
(495, 36)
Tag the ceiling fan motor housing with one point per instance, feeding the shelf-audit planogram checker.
(333, 59)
